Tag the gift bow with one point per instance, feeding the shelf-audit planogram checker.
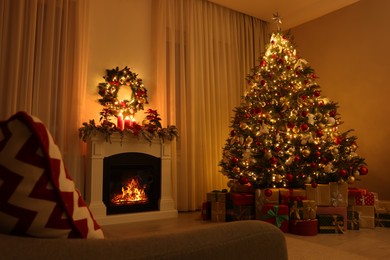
(310, 210)
(353, 222)
(278, 218)
(337, 198)
(295, 211)
(337, 224)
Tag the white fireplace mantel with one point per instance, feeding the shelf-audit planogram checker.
(98, 148)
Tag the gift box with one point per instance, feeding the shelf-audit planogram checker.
(352, 220)
(243, 198)
(206, 210)
(276, 215)
(309, 209)
(338, 194)
(286, 195)
(306, 227)
(366, 216)
(382, 213)
(217, 195)
(270, 195)
(243, 212)
(330, 210)
(367, 199)
(353, 192)
(320, 194)
(330, 224)
(218, 211)
(296, 209)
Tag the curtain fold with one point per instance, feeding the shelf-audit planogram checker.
(203, 54)
(43, 63)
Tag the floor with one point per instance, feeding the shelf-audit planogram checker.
(359, 244)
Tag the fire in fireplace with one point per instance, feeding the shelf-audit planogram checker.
(131, 183)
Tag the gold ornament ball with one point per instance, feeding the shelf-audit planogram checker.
(356, 174)
(351, 179)
(308, 179)
(278, 178)
(306, 152)
(230, 183)
(236, 169)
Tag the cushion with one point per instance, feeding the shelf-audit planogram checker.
(37, 196)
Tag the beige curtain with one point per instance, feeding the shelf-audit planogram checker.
(43, 58)
(203, 53)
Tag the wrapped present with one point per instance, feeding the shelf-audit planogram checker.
(366, 216)
(339, 194)
(365, 200)
(276, 215)
(382, 213)
(352, 220)
(320, 194)
(243, 212)
(243, 198)
(270, 195)
(330, 210)
(330, 224)
(296, 209)
(217, 195)
(286, 195)
(218, 211)
(304, 227)
(206, 210)
(309, 208)
(242, 188)
(353, 192)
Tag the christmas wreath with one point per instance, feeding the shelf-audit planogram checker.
(113, 107)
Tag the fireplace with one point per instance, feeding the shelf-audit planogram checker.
(131, 183)
(127, 165)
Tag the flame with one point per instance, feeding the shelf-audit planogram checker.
(132, 192)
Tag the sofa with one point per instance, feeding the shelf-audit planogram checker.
(229, 240)
(43, 215)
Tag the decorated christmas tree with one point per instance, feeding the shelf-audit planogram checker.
(285, 133)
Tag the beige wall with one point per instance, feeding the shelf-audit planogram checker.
(349, 50)
(120, 35)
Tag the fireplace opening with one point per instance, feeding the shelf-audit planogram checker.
(131, 183)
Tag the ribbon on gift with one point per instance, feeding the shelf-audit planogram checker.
(294, 211)
(311, 210)
(337, 199)
(273, 213)
(353, 221)
(338, 224)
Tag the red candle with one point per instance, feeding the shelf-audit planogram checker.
(120, 122)
(127, 122)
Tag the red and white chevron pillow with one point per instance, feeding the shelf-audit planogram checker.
(37, 196)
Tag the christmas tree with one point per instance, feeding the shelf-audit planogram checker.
(285, 133)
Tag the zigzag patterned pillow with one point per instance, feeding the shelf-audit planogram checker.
(37, 196)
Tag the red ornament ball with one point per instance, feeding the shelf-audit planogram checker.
(234, 160)
(273, 160)
(332, 113)
(304, 127)
(268, 192)
(290, 124)
(319, 133)
(317, 93)
(363, 170)
(314, 184)
(304, 113)
(243, 180)
(343, 172)
(289, 177)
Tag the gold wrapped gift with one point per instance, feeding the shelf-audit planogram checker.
(366, 216)
(320, 194)
(339, 194)
(309, 209)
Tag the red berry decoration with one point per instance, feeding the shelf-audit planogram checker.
(289, 177)
(332, 113)
(268, 192)
(314, 184)
(363, 170)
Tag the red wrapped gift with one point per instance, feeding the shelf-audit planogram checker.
(243, 198)
(334, 211)
(306, 227)
(365, 200)
(356, 191)
(276, 215)
(288, 195)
